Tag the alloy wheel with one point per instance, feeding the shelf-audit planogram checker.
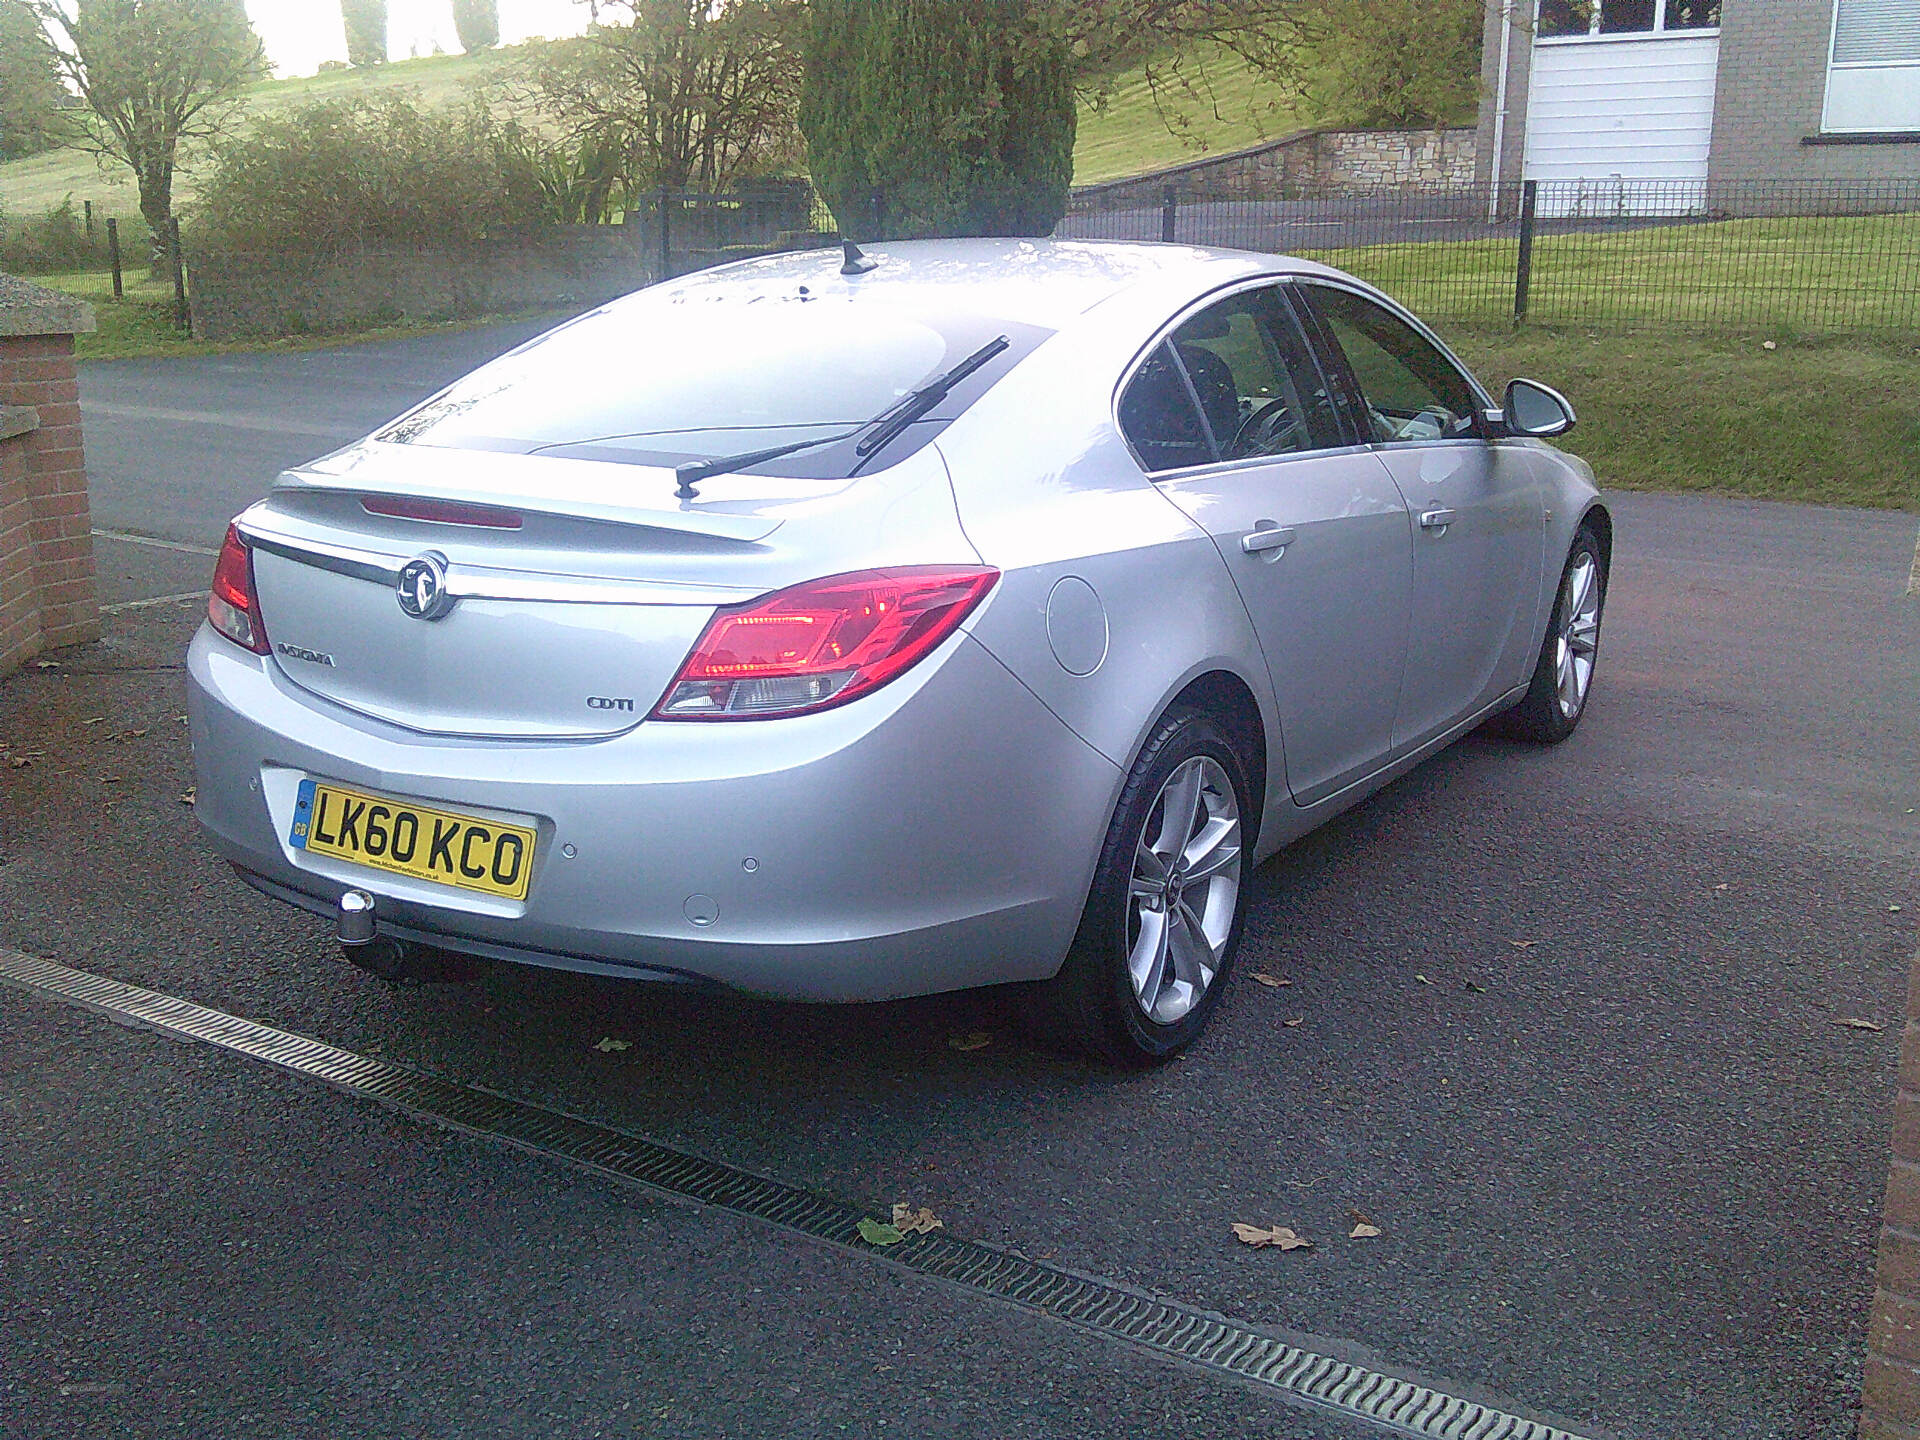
(1186, 882)
(1579, 636)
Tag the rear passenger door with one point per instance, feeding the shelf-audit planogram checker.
(1236, 422)
(1475, 505)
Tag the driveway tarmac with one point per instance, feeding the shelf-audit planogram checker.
(1567, 1034)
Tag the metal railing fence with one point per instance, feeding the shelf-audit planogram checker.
(1799, 256)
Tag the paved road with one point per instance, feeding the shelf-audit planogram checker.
(1632, 1178)
(176, 448)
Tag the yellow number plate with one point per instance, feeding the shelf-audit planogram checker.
(406, 839)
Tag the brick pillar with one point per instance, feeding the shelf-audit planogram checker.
(1891, 1404)
(48, 597)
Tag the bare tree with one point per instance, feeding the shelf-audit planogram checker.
(154, 74)
(691, 93)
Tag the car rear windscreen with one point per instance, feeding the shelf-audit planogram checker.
(661, 382)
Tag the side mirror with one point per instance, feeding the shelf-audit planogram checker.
(1537, 410)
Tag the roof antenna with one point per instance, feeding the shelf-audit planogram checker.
(855, 263)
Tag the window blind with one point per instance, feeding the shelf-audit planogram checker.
(1867, 32)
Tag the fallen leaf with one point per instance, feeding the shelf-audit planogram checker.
(609, 1044)
(909, 1221)
(1852, 1024)
(969, 1040)
(1893, 909)
(1363, 1231)
(1296, 1020)
(875, 1233)
(186, 796)
(1423, 979)
(1476, 989)
(110, 779)
(1277, 1235)
(1721, 886)
(1272, 982)
(46, 664)
(1523, 944)
(94, 721)
(18, 762)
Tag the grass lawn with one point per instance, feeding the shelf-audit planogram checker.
(1803, 275)
(1827, 422)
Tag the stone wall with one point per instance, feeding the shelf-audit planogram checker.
(47, 592)
(1306, 163)
(238, 295)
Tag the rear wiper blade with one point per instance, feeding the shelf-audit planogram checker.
(891, 422)
(694, 471)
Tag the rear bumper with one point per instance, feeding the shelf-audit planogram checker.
(938, 834)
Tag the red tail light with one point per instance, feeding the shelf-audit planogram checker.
(822, 643)
(233, 607)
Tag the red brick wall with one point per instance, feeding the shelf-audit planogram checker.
(1891, 1405)
(47, 593)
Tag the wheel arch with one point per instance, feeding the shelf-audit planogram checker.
(1226, 698)
(1601, 519)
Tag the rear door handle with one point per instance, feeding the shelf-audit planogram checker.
(1435, 519)
(1267, 537)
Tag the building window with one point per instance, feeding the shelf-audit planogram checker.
(1559, 19)
(1873, 74)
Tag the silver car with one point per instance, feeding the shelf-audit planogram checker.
(841, 627)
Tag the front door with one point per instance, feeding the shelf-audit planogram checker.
(1234, 418)
(1475, 508)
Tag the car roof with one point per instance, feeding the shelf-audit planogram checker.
(1045, 282)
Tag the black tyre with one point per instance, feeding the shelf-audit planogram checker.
(1563, 675)
(1163, 919)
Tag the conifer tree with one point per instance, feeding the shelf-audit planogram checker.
(477, 22)
(937, 117)
(366, 22)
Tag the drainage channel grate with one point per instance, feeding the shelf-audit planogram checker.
(1212, 1342)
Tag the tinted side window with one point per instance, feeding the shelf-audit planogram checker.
(1159, 418)
(1254, 377)
(1412, 391)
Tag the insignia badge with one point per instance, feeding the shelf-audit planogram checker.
(422, 587)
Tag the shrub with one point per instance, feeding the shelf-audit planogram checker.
(54, 242)
(332, 174)
(1398, 62)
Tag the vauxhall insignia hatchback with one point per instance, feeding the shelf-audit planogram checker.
(841, 627)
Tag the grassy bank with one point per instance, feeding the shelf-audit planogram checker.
(31, 186)
(1827, 422)
(1220, 106)
(1217, 105)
